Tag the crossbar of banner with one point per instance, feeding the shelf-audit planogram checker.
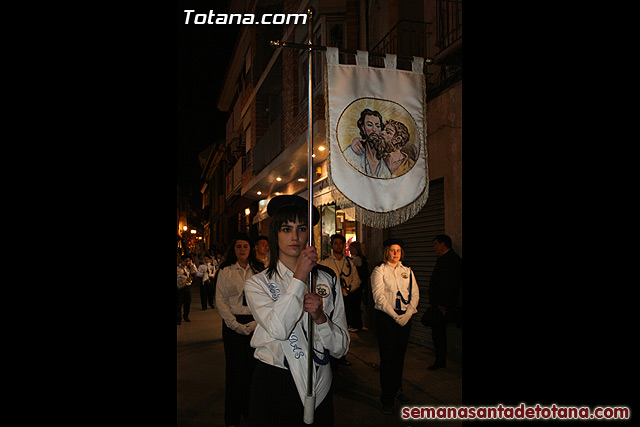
(278, 43)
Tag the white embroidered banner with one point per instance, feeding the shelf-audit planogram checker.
(376, 127)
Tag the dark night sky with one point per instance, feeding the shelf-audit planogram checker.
(203, 53)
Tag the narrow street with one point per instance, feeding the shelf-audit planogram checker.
(201, 365)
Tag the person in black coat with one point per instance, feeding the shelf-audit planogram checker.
(444, 293)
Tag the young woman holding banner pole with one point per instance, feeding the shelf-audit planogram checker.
(279, 299)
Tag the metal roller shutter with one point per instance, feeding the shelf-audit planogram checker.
(417, 234)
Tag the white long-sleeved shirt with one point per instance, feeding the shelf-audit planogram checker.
(206, 271)
(280, 339)
(229, 292)
(386, 281)
(184, 273)
(345, 268)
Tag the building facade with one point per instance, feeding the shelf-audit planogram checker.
(264, 154)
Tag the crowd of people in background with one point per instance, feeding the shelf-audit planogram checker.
(196, 270)
(386, 295)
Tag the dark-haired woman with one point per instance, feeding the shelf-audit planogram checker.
(279, 300)
(238, 264)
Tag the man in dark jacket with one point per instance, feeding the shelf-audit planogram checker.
(444, 292)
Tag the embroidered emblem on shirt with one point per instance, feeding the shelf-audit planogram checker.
(404, 275)
(293, 342)
(274, 290)
(322, 290)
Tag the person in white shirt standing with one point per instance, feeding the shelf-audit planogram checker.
(238, 324)
(206, 272)
(278, 299)
(395, 296)
(186, 272)
(347, 273)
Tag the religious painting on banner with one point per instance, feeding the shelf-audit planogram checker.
(376, 128)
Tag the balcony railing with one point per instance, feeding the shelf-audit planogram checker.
(410, 38)
(406, 38)
(268, 147)
(449, 24)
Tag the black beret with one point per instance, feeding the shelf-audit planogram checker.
(243, 236)
(291, 200)
(393, 241)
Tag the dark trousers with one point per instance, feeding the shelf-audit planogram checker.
(352, 308)
(206, 294)
(184, 300)
(275, 401)
(392, 341)
(439, 336)
(239, 366)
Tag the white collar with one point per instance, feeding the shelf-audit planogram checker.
(239, 267)
(341, 259)
(283, 270)
(392, 267)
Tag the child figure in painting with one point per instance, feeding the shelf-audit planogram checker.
(396, 136)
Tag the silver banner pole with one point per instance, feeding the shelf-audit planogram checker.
(310, 398)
